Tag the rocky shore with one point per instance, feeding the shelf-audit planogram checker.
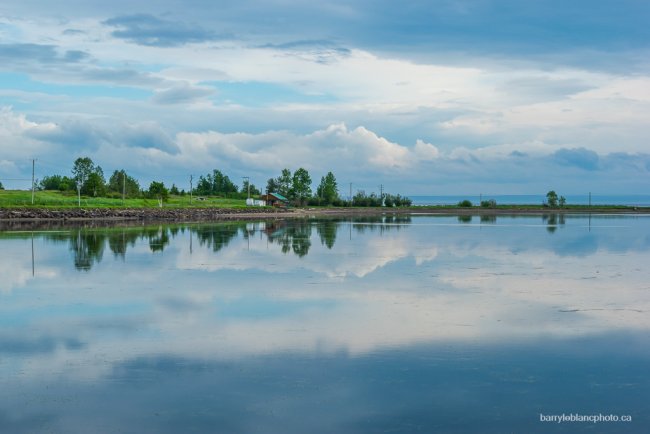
(216, 214)
(144, 214)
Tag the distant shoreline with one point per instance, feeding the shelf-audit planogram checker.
(252, 213)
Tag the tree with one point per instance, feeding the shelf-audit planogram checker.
(272, 186)
(244, 188)
(88, 177)
(95, 185)
(1, 186)
(120, 182)
(83, 167)
(221, 184)
(204, 186)
(215, 183)
(551, 199)
(174, 190)
(328, 188)
(284, 182)
(562, 201)
(301, 185)
(158, 190)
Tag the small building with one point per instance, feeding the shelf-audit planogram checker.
(255, 202)
(275, 199)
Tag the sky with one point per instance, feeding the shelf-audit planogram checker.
(423, 97)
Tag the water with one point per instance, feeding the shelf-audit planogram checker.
(536, 199)
(422, 324)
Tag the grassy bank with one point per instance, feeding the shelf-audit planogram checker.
(57, 199)
(65, 200)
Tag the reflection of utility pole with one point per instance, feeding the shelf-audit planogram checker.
(32, 254)
(33, 164)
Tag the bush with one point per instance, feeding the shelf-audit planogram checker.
(489, 203)
(465, 204)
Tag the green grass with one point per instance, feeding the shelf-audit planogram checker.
(57, 199)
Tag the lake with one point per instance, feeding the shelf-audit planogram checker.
(381, 324)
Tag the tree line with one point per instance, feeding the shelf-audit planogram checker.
(88, 179)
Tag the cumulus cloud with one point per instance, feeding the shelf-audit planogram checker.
(358, 155)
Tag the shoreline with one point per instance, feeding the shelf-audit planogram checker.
(218, 214)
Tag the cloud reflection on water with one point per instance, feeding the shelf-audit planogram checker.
(285, 317)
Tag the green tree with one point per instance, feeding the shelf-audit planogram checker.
(562, 201)
(120, 181)
(272, 186)
(551, 199)
(301, 185)
(158, 190)
(1, 186)
(254, 190)
(328, 189)
(95, 185)
(221, 184)
(204, 186)
(174, 190)
(88, 177)
(83, 167)
(50, 182)
(285, 182)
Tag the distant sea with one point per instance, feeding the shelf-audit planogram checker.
(536, 199)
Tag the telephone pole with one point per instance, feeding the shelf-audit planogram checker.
(350, 197)
(248, 184)
(191, 178)
(123, 187)
(381, 194)
(33, 165)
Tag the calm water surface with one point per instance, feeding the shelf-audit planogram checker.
(422, 324)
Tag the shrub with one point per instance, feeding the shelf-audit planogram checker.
(465, 204)
(489, 203)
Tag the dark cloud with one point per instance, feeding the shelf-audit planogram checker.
(70, 32)
(148, 135)
(578, 157)
(43, 345)
(79, 134)
(120, 76)
(74, 133)
(182, 94)
(144, 29)
(319, 51)
(43, 54)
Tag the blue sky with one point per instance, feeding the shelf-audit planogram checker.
(425, 97)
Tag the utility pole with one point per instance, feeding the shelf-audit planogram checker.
(123, 187)
(381, 194)
(350, 197)
(33, 164)
(191, 178)
(248, 184)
